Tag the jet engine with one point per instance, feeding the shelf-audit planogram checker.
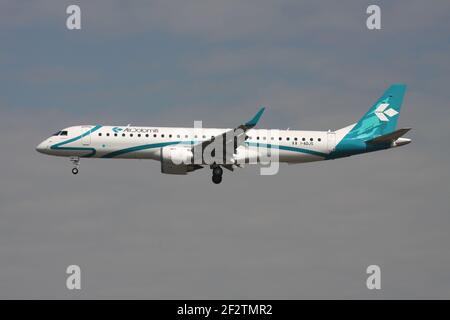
(177, 160)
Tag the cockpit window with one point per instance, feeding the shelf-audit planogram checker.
(60, 133)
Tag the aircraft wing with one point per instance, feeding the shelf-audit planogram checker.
(236, 136)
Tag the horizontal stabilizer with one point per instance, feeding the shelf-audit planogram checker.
(389, 137)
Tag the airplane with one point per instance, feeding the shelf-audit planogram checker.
(177, 148)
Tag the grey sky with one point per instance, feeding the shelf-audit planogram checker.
(308, 232)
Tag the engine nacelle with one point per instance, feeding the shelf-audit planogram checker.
(176, 160)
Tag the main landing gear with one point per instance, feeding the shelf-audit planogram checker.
(217, 174)
(76, 164)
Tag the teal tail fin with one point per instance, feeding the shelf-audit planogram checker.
(381, 119)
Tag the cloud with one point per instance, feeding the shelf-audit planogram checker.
(58, 74)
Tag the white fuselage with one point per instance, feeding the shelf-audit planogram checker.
(132, 142)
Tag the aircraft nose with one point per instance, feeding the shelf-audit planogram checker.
(41, 147)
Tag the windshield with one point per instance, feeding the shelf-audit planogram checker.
(60, 133)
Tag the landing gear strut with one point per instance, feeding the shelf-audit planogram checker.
(76, 164)
(217, 174)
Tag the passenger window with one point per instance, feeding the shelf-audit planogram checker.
(162, 136)
(146, 135)
(279, 138)
(99, 134)
(257, 138)
(139, 135)
(115, 134)
(295, 139)
(311, 139)
(303, 139)
(170, 136)
(107, 134)
(178, 136)
(123, 134)
(131, 135)
(154, 136)
(186, 136)
(319, 139)
(287, 139)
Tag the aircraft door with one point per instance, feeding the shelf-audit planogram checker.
(263, 140)
(86, 140)
(331, 141)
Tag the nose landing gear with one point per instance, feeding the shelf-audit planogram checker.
(217, 174)
(76, 164)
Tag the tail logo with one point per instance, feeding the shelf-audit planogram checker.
(384, 114)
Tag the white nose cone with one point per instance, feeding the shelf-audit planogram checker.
(41, 147)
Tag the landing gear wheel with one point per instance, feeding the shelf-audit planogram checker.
(217, 171)
(76, 163)
(217, 179)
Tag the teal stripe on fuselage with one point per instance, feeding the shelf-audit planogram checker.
(250, 144)
(58, 146)
(287, 148)
(143, 147)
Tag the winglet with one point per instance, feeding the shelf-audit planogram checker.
(255, 119)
